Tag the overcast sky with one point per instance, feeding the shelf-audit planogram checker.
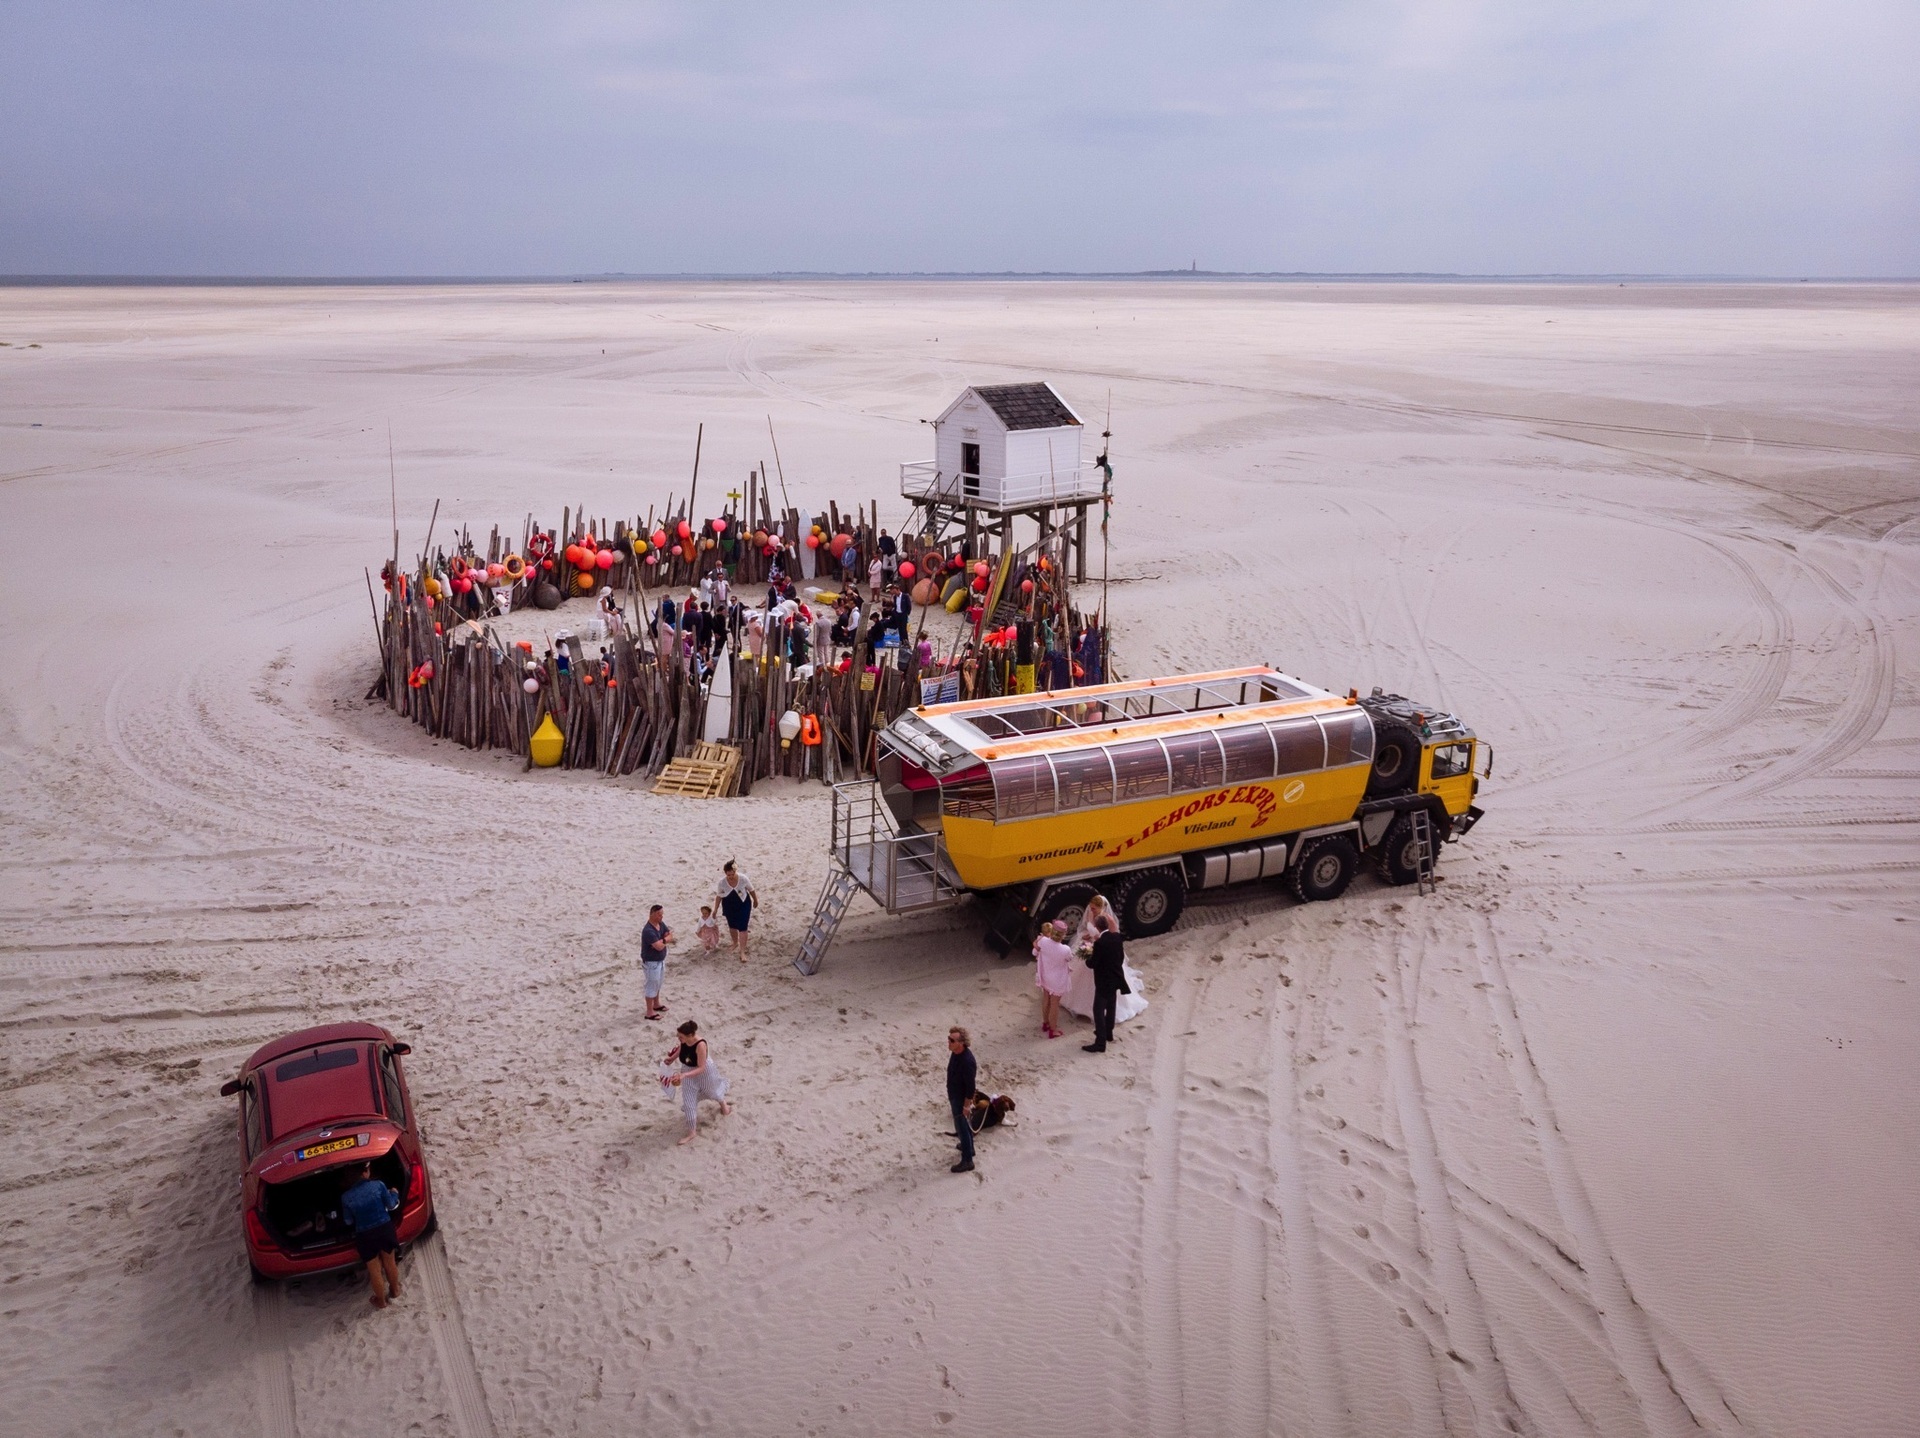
(1470, 136)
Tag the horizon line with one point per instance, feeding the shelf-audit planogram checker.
(22, 281)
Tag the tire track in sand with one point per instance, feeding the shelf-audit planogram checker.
(1290, 1198)
(1628, 1333)
(272, 1369)
(1160, 1212)
(1472, 1351)
(467, 1397)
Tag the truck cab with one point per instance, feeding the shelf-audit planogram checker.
(1447, 771)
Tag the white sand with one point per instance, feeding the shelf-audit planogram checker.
(1615, 1134)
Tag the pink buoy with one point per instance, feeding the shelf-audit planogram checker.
(719, 526)
(604, 559)
(532, 686)
(906, 569)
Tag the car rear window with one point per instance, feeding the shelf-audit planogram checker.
(308, 1064)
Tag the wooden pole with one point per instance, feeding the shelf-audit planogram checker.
(700, 435)
(778, 467)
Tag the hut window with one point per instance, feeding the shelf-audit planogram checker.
(1197, 763)
(1298, 746)
(1085, 779)
(1022, 788)
(1349, 737)
(1139, 770)
(1249, 754)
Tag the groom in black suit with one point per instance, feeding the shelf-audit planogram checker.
(1109, 965)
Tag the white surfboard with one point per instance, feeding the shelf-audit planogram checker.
(720, 701)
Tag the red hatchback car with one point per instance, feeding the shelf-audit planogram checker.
(313, 1107)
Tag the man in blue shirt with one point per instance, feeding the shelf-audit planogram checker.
(369, 1204)
(654, 938)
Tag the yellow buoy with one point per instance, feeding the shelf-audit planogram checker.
(546, 743)
(957, 600)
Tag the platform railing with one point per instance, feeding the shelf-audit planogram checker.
(901, 871)
(1071, 484)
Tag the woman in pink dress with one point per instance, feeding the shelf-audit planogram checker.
(1054, 961)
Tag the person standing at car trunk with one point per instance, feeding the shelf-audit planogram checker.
(961, 1073)
(654, 939)
(369, 1204)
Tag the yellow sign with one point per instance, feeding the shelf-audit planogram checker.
(319, 1148)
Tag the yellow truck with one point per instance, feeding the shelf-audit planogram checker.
(1146, 790)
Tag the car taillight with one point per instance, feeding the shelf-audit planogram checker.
(257, 1233)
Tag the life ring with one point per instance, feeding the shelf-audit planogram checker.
(515, 567)
(809, 730)
(540, 546)
(931, 563)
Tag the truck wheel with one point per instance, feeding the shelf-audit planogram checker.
(1325, 867)
(1397, 853)
(1068, 905)
(1151, 902)
(1396, 759)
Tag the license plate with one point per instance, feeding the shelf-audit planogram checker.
(334, 1146)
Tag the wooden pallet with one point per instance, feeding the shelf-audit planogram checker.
(711, 772)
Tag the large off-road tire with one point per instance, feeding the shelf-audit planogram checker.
(1325, 867)
(1151, 902)
(1068, 904)
(1006, 926)
(1396, 759)
(1397, 853)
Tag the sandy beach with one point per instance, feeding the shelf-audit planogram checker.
(1614, 1134)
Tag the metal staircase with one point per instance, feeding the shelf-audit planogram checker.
(901, 867)
(1423, 850)
(835, 895)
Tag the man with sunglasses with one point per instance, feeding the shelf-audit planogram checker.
(961, 1072)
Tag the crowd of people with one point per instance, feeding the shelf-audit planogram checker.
(712, 614)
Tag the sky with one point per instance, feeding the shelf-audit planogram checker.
(1751, 137)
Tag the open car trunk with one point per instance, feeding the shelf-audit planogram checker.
(304, 1213)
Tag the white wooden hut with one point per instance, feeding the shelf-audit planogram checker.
(1002, 450)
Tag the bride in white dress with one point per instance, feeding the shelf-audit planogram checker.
(1100, 919)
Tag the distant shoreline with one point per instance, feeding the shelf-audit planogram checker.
(1019, 276)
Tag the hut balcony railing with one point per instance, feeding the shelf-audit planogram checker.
(1069, 484)
(901, 867)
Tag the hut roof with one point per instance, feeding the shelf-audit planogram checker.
(1027, 406)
